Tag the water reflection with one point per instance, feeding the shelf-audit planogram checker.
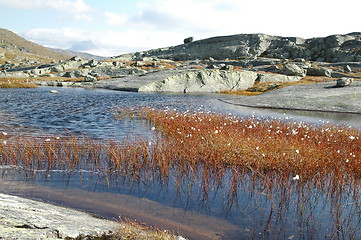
(89, 111)
(237, 205)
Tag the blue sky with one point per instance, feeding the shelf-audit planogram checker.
(126, 26)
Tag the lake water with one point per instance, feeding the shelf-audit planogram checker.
(37, 112)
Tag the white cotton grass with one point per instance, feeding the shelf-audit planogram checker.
(297, 177)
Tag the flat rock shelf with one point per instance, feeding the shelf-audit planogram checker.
(323, 97)
(26, 219)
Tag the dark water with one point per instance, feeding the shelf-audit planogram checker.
(90, 111)
(172, 205)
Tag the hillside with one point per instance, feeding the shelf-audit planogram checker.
(16, 49)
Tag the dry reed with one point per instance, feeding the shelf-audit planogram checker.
(284, 163)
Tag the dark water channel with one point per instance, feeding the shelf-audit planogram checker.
(178, 206)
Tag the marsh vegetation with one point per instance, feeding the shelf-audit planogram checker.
(272, 178)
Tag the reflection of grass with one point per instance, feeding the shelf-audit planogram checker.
(293, 166)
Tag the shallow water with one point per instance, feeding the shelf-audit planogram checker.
(34, 112)
(90, 111)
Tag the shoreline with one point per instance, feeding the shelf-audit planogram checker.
(286, 98)
(319, 97)
(27, 219)
(23, 218)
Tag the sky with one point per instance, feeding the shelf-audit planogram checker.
(120, 26)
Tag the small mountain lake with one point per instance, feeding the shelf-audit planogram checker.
(183, 204)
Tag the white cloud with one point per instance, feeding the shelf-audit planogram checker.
(162, 23)
(75, 6)
(205, 18)
(57, 38)
(128, 41)
(83, 17)
(114, 19)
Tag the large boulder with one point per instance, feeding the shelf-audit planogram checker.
(207, 81)
(277, 78)
(57, 68)
(188, 40)
(294, 70)
(40, 71)
(77, 73)
(327, 72)
(343, 82)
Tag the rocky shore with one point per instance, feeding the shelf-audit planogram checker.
(322, 97)
(26, 219)
(215, 65)
(226, 63)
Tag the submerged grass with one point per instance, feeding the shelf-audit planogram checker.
(285, 163)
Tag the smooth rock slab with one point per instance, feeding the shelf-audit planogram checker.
(205, 81)
(311, 97)
(28, 219)
(277, 78)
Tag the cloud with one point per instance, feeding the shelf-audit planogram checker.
(194, 17)
(114, 19)
(206, 18)
(127, 41)
(57, 38)
(162, 23)
(74, 6)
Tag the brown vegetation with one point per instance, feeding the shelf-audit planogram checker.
(16, 83)
(17, 46)
(288, 163)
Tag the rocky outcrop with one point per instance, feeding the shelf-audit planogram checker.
(209, 81)
(27, 219)
(319, 72)
(322, 97)
(294, 70)
(334, 48)
(277, 78)
(212, 81)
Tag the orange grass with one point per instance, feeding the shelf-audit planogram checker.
(288, 163)
(16, 83)
(191, 139)
(259, 145)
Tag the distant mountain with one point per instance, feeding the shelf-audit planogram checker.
(80, 46)
(83, 55)
(17, 49)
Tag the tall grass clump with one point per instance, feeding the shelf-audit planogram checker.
(286, 164)
(264, 146)
(274, 173)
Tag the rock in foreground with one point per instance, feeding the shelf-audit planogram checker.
(27, 219)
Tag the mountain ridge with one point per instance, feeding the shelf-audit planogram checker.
(12, 44)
